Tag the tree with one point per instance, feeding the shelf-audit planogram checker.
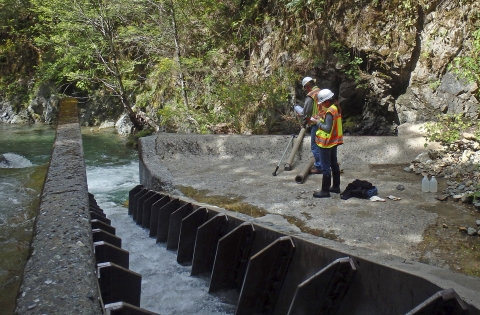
(168, 9)
(90, 42)
(18, 53)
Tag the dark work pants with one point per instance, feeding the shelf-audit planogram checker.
(315, 148)
(329, 161)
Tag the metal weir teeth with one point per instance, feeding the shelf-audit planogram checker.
(120, 288)
(275, 273)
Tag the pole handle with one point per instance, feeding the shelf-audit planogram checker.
(275, 173)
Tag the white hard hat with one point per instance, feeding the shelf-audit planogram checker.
(324, 95)
(306, 80)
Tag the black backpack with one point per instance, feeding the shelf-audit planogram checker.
(359, 189)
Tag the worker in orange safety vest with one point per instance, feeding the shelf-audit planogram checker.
(328, 137)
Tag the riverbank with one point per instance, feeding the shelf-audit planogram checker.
(235, 172)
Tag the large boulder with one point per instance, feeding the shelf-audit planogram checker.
(124, 126)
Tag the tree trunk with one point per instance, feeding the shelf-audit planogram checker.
(177, 54)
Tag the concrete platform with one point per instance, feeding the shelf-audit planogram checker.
(232, 166)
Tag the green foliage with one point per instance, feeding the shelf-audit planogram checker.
(17, 50)
(166, 115)
(476, 193)
(468, 66)
(317, 7)
(144, 133)
(235, 105)
(133, 138)
(350, 124)
(350, 65)
(447, 129)
(435, 84)
(134, 51)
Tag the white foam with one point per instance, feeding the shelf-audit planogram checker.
(13, 160)
(167, 287)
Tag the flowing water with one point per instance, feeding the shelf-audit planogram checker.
(167, 287)
(112, 170)
(24, 154)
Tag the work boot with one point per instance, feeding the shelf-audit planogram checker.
(315, 170)
(324, 193)
(336, 183)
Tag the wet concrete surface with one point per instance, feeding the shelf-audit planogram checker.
(240, 169)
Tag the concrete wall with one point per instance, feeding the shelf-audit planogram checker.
(59, 276)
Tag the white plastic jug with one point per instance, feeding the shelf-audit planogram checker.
(425, 184)
(299, 109)
(433, 184)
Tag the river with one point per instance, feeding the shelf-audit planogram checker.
(112, 170)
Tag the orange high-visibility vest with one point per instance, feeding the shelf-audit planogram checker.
(327, 140)
(315, 110)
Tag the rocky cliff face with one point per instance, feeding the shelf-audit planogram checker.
(387, 61)
(402, 49)
(93, 110)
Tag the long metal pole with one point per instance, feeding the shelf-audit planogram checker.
(278, 165)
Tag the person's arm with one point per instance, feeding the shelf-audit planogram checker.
(307, 108)
(328, 124)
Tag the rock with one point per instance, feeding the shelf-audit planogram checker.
(3, 160)
(422, 158)
(441, 197)
(434, 154)
(457, 197)
(471, 231)
(400, 187)
(477, 222)
(408, 169)
(466, 198)
(445, 226)
(469, 136)
(106, 125)
(124, 126)
(463, 229)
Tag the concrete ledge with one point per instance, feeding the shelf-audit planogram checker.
(356, 150)
(59, 276)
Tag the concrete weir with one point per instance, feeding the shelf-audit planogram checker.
(76, 264)
(275, 270)
(277, 273)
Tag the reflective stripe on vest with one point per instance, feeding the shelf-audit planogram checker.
(328, 140)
